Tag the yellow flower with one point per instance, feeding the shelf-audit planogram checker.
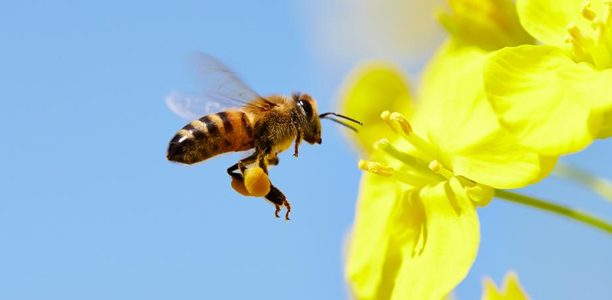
(555, 97)
(416, 232)
(511, 289)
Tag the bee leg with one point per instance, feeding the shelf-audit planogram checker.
(298, 139)
(245, 161)
(273, 161)
(262, 163)
(232, 172)
(278, 199)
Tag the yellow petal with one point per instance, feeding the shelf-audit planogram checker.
(369, 90)
(453, 111)
(547, 101)
(489, 24)
(371, 249)
(547, 20)
(457, 118)
(449, 235)
(511, 290)
(606, 129)
(500, 162)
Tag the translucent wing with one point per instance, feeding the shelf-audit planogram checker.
(221, 89)
(192, 107)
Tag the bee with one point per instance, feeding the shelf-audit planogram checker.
(265, 125)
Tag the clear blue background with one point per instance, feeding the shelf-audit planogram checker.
(90, 208)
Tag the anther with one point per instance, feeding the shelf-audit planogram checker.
(385, 117)
(575, 33)
(577, 49)
(376, 168)
(588, 13)
(437, 167)
(402, 122)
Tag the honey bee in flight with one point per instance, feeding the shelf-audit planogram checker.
(266, 124)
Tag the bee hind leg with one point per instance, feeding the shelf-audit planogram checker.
(232, 172)
(246, 161)
(274, 195)
(278, 199)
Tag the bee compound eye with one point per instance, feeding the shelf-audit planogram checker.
(307, 108)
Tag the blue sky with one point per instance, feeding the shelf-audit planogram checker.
(90, 208)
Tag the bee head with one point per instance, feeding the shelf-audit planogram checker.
(311, 126)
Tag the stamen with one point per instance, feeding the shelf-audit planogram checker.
(588, 13)
(413, 162)
(376, 168)
(593, 44)
(579, 53)
(402, 122)
(577, 35)
(437, 167)
(386, 171)
(583, 46)
(385, 117)
(603, 53)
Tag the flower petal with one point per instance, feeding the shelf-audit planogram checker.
(371, 89)
(371, 250)
(511, 289)
(463, 125)
(489, 24)
(453, 110)
(500, 162)
(547, 101)
(600, 89)
(606, 129)
(547, 20)
(449, 234)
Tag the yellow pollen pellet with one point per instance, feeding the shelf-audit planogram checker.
(239, 187)
(256, 182)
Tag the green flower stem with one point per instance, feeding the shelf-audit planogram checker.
(555, 208)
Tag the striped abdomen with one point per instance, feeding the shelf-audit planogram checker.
(211, 135)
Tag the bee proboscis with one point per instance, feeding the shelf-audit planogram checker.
(266, 124)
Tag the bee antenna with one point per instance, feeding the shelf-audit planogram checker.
(328, 114)
(325, 116)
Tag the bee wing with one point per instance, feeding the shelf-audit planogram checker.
(192, 107)
(221, 89)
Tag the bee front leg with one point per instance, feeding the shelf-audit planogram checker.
(278, 199)
(298, 139)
